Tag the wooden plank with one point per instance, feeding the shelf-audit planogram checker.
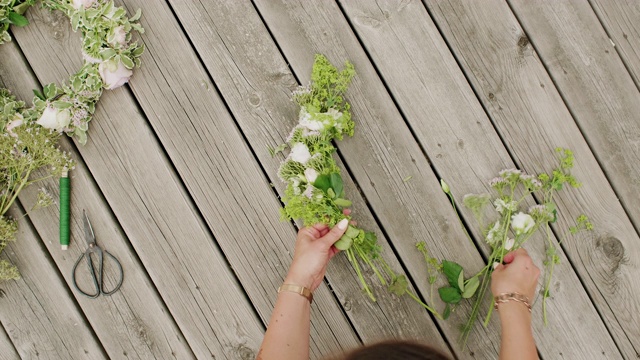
(424, 78)
(9, 351)
(620, 20)
(595, 84)
(256, 85)
(37, 311)
(532, 119)
(152, 206)
(383, 153)
(222, 175)
(134, 322)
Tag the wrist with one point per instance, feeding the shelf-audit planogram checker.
(514, 311)
(300, 280)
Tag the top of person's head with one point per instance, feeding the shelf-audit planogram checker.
(394, 350)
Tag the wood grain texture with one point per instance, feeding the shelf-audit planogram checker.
(9, 352)
(133, 322)
(222, 175)
(531, 117)
(382, 154)
(149, 201)
(452, 127)
(37, 311)
(254, 81)
(595, 84)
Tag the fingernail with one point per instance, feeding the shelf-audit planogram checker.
(343, 224)
(495, 265)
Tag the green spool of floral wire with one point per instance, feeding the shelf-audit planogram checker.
(65, 189)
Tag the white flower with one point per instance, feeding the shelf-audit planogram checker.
(308, 192)
(55, 119)
(334, 113)
(82, 3)
(114, 76)
(119, 36)
(508, 245)
(308, 123)
(311, 175)
(491, 235)
(522, 223)
(18, 120)
(296, 186)
(444, 186)
(300, 153)
(502, 205)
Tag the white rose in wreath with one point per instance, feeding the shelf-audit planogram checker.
(83, 3)
(54, 119)
(114, 76)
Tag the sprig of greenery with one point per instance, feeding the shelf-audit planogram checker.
(11, 13)
(315, 190)
(509, 231)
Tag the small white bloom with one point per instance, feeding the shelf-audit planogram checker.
(90, 59)
(114, 76)
(444, 186)
(502, 205)
(308, 192)
(82, 3)
(18, 120)
(119, 36)
(55, 119)
(311, 175)
(522, 223)
(491, 235)
(508, 245)
(300, 153)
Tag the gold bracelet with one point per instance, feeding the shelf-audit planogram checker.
(300, 290)
(513, 296)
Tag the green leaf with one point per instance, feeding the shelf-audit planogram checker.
(61, 104)
(398, 285)
(452, 271)
(344, 243)
(471, 287)
(342, 202)
(352, 232)
(331, 193)
(17, 19)
(136, 16)
(450, 295)
(107, 54)
(22, 8)
(447, 312)
(461, 281)
(336, 184)
(127, 62)
(138, 51)
(49, 90)
(323, 182)
(38, 94)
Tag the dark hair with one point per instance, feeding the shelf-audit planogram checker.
(395, 350)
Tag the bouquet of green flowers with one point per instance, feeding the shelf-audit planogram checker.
(315, 191)
(25, 147)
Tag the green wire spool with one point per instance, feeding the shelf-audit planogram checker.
(65, 190)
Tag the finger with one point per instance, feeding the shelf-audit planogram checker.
(508, 259)
(324, 232)
(335, 233)
(320, 227)
(308, 233)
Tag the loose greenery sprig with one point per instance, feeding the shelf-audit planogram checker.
(510, 228)
(315, 191)
(25, 147)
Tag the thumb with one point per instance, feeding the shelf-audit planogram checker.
(335, 233)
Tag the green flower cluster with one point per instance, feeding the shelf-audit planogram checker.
(315, 191)
(25, 148)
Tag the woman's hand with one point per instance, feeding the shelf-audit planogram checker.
(314, 248)
(519, 275)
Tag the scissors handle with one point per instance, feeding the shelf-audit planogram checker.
(121, 276)
(92, 272)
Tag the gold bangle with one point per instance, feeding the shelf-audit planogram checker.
(300, 290)
(513, 296)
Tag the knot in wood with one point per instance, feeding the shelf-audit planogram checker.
(254, 99)
(244, 352)
(523, 41)
(613, 249)
(347, 305)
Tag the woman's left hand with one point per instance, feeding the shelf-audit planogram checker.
(314, 248)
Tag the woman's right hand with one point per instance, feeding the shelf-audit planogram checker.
(519, 274)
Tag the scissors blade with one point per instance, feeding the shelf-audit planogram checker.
(88, 230)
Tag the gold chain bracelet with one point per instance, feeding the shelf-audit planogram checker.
(513, 296)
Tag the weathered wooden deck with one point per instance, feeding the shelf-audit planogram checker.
(176, 174)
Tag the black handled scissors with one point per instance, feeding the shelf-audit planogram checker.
(97, 278)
